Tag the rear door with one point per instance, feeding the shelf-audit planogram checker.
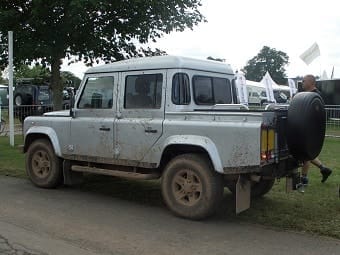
(141, 113)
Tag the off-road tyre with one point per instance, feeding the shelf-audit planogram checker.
(43, 167)
(191, 188)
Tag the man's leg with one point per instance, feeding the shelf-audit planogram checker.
(325, 171)
(304, 172)
(316, 162)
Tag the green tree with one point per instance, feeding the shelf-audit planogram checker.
(69, 79)
(39, 73)
(42, 74)
(268, 59)
(48, 31)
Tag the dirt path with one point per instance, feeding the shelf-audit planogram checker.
(71, 221)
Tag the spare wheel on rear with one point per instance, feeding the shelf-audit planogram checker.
(306, 125)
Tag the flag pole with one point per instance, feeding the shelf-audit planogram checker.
(320, 64)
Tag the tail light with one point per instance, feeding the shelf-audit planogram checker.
(267, 143)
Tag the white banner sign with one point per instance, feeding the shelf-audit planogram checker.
(268, 83)
(242, 88)
(292, 87)
(310, 54)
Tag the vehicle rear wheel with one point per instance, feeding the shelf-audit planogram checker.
(258, 189)
(18, 100)
(43, 167)
(190, 186)
(23, 99)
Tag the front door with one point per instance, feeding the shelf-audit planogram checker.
(141, 114)
(92, 128)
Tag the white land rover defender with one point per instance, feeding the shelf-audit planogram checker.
(177, 119)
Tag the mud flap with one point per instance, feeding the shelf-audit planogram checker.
(293, 182)
(70, 177)
(243, 189)
(289, 184)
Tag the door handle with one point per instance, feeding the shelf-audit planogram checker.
(149, 130)
(104, 129)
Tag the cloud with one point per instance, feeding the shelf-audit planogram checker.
(237, 30)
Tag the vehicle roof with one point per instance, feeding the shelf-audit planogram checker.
(30, 84)
(163, 62)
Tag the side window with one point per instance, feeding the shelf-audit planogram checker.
(211, 90)
(180, 89)
(203, 90)
(143, 91)
(222, 91)
(98, 93)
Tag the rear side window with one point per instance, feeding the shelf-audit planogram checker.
(180, 89)
(143, 91)
(211, 90)
(44, 94)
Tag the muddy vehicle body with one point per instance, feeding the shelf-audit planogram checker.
(177, 119)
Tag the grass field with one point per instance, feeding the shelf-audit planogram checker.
(315, 211)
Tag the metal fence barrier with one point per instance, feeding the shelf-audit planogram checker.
(20, 112)
(333, 120)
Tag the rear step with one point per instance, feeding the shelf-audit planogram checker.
(117, 173)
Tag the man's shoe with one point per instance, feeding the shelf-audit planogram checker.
(304, 180)
(325, 173)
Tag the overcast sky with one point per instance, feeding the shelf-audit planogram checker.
(237, 31)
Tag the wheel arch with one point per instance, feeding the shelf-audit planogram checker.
(177, 145)
(47, 133)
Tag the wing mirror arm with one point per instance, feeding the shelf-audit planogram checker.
(72, 99)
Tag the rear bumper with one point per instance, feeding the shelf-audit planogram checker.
(285, 167)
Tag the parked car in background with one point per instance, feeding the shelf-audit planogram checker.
(330, 91)
(3, 95)
(31, 98)
(256, 93)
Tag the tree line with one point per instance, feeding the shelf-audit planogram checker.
(49, 32)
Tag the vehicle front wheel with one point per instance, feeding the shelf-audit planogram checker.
(43, 167)
(190, 186)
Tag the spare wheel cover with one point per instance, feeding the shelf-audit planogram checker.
(306, 125)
